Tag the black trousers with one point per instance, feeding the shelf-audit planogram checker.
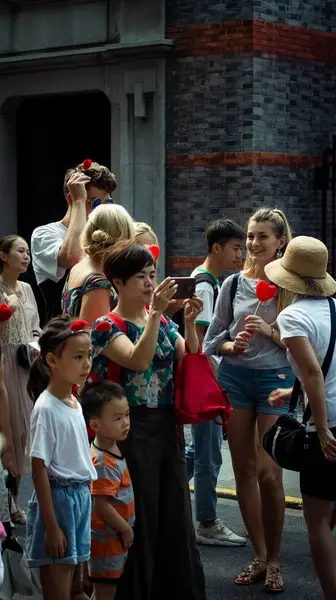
(164, 561)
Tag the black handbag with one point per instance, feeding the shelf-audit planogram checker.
(287, 441)
(22, 356)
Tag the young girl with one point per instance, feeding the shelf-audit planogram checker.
(58, 520)
(254, 364)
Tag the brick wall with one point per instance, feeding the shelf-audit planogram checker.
(199, 12)
(317, 14)
(251, 98)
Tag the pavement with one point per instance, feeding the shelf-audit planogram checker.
(221, 564)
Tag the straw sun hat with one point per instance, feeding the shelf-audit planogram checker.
(303, 268)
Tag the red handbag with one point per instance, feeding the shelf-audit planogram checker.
(198, 396)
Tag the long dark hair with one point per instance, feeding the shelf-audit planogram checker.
(53, 339)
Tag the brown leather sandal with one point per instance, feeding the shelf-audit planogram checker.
(274, 583)
(253, 573)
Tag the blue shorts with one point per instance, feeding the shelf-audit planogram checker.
(72, 506)
(249, 389)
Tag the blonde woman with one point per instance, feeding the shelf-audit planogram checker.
(305, 327)
(87, 293)
(254, 364)
(145, 235)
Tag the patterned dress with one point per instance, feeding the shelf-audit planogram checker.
(153, 387)
(72, 299)
(22, 328)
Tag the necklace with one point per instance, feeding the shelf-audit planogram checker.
(16, 292)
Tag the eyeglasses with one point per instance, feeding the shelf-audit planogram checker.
(97, 202)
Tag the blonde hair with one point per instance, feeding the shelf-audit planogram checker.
(280, 226)
(107, 224)
(142, 229)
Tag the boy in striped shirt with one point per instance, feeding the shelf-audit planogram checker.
(106, 411)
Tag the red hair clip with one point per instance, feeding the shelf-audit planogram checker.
(5, 312)
(103, 327)
(79, 325)
(154, 250)
(86, 164)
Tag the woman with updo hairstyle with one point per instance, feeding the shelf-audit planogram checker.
(87, 293)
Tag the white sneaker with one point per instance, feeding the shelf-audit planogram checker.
(218, 535)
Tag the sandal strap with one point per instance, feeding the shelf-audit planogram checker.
(252, 570)
(273, 575)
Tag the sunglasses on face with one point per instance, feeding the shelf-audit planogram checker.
(97, 202)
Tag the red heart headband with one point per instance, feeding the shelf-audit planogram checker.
(5, 312)
(79, 326)
(86, 164)
(154, 250)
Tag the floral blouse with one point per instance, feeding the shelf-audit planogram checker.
(72, 299)
(153, 387)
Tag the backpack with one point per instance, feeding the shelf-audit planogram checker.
(198, 396)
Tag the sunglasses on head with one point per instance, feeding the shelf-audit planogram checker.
(97, 202)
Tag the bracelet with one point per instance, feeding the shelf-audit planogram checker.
(272, 333)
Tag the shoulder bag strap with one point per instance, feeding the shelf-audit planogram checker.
(118, 321)
(233, 291)
(208, 278)
(325, 366)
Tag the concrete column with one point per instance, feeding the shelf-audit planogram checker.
(142, 146)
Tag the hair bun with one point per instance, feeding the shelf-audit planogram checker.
(100, 237)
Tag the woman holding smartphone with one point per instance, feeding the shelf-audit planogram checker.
(164, 560)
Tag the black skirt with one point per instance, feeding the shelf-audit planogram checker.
(164, 562)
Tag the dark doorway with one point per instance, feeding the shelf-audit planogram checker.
(55, 133)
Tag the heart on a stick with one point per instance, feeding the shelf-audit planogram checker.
(265, 291)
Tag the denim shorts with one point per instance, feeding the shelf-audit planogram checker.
(72, 506)
(249, 389)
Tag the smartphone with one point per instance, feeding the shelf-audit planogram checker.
(186, 287)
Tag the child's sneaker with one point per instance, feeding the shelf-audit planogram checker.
(218, 535)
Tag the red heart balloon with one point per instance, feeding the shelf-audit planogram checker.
(265, 291)
(155, 250)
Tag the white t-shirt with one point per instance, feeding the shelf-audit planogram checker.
(310, 318)
(59, 437)
(205, 291)
(45, 244)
